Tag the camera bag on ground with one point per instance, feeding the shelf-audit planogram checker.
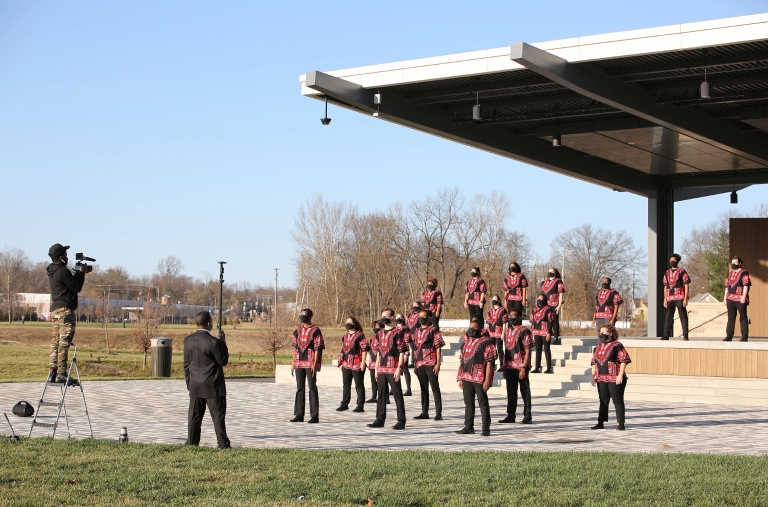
(23, 409)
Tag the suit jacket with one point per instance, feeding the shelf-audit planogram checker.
(204, 358)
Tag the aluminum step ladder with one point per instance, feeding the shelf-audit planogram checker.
(72, 381)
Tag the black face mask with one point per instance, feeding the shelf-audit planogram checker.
(400, 322)
(541, 302)
(673, 264)
(734, 266)
(423, 320)
(606, 286)
(473, 333)
(416, 309)
(384, 321)
(551, 275)
(376, 330)
(304, 318)
(512, 271)
(518, 321)
(349, 327)
(474, 274)
(496, 303)
(605, 337)
(430, 287)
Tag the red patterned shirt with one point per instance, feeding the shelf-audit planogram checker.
(475, 287)
(608, 357)
(431, 298)
(606, 302)
(352, 348)
(513, 286)
(389, 346)
(307, 341)
(675, 281)
(541, 320)
(475, 353)
(552, 288)
(735, 283)
(516, 341)
(426, 341)
(497, 317)
(373, 353)
(412, 320)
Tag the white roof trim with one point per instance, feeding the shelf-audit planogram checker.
(579, 49)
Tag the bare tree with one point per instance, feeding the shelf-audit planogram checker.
(168, 270)
(593, 253)
(146, 328)
(277, 338)
(14, 265)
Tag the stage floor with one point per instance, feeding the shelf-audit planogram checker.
(258, 414)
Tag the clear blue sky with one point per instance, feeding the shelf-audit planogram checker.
(137, 130)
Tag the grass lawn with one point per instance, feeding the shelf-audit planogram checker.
(41, 472)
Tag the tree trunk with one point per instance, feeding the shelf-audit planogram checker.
(145, 358)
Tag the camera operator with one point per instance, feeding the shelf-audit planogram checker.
(65, 285)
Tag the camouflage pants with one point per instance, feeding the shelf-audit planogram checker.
(63, 322)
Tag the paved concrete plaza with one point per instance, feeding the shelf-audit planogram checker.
(258, 414)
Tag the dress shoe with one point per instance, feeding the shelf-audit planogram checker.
(486, 433)
(313, 420)
(422, 416)
(549, 371)
(662, 338)
(399, 426)
(297, 419)
(407, 393)
(52, 375)
(378, 423)
(526, 420)
(597, 426)
(466, 431)
(685, 339)
(438, 417)
(743, 340)
(359, 409)
(342, 408)
(620, 427)
(507, 420)
(372, 400)
(537, 370)
(727, 339)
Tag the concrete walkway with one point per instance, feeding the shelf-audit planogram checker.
(258, 414)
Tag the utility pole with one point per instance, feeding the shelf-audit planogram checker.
(221, 293)
(275, 310)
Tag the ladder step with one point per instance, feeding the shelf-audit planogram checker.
(44, 425)
(49, 404)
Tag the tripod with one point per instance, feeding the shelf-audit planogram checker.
(61, 407)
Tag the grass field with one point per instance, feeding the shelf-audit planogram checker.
(41, 472)
(24, 349)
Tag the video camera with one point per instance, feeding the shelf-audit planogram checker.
(80, 258)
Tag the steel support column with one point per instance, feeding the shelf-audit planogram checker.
(661, 234)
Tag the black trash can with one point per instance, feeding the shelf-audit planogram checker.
(162, 353)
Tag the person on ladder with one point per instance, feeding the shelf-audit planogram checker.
(65, 285)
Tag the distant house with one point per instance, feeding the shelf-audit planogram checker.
(640, 310)
(704, 297)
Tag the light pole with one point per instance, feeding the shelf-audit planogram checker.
(275, 311)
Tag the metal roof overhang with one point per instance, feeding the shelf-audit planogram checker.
(631, 123)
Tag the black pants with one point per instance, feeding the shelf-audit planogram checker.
(435, 321)
(302, 375)
(610, 391)
(381, 406)
(556, 326)
(499, 349)
(732, 307)
(427, 378)
(669, 318)
(541, 342)
(472, 389)
(512, 378)
(374, 385)
(407, 375)
(514, 305)
(218, 409)
(476, 311)
(347, 375)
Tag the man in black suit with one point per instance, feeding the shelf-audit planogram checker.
(204, 358)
